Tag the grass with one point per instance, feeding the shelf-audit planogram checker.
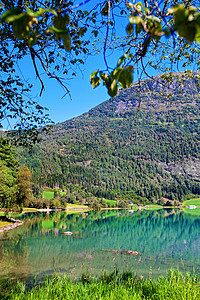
(194, 212)
(127, 286)
(48, 195)
(111, 202)
(76, 206)
(29, 209)
(155, 206)
(195, 202)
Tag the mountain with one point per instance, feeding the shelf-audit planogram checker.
(143, 143)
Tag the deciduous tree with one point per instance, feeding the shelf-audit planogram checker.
(23, 181)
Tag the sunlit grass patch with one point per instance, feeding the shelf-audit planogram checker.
(76, 206)
(154, 206)
(29, 209)
(195, 202)
(111, 202)
(48, 195)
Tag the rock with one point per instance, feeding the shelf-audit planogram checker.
(84, 255)
(68, 233)
(14, 224)
(130, 252)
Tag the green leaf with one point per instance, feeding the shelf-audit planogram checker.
(14, 17)
(167, 32)
(197, 36)
(180, 15)
(60, 21)
(122, 58)
(129, 28)
(138, 28)
(66, 41)
(188, 31)
(58, 31)
(40, 12)
(113, 90)
(94, 73)
(126, 77)
(32, 40)
(8, 14)
(104, 11)
(134, 19)
(21, 27)
(94, 79)
(95, 32)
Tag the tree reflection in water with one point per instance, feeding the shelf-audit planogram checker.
(166, 238)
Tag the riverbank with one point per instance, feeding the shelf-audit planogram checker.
(173, 286)
(9, 223)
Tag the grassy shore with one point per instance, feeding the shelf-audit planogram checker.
(113, 286)
(195, 202)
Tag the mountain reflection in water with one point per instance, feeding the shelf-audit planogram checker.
(165, 238)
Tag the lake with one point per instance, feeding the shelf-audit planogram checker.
(166, 239)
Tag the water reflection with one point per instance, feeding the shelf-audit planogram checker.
(166, 238)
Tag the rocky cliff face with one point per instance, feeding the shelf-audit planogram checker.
(161, 92)
(189, 167)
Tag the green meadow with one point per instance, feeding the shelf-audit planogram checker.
(195, 202)
(48, 195)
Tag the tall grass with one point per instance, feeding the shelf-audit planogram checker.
(113, 286)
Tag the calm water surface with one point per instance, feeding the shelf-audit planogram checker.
(166, 238)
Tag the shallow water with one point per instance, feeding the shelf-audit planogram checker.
(165, 238)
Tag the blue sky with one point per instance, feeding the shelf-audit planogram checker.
(84, 97)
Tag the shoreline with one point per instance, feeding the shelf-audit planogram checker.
(13, 224)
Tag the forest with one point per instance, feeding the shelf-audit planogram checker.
(120, 151)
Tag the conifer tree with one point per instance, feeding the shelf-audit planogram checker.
(8, 169)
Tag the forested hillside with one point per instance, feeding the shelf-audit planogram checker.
(119, 151)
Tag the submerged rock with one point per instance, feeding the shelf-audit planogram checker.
(129, 252)
(68, 233)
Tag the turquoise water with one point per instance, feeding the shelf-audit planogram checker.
(165, 238)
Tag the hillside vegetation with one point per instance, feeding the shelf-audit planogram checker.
(118, 151)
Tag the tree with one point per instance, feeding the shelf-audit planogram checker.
(59, 35)
(8, 169)
(23, 181)
(8, 155)
(8, 187)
